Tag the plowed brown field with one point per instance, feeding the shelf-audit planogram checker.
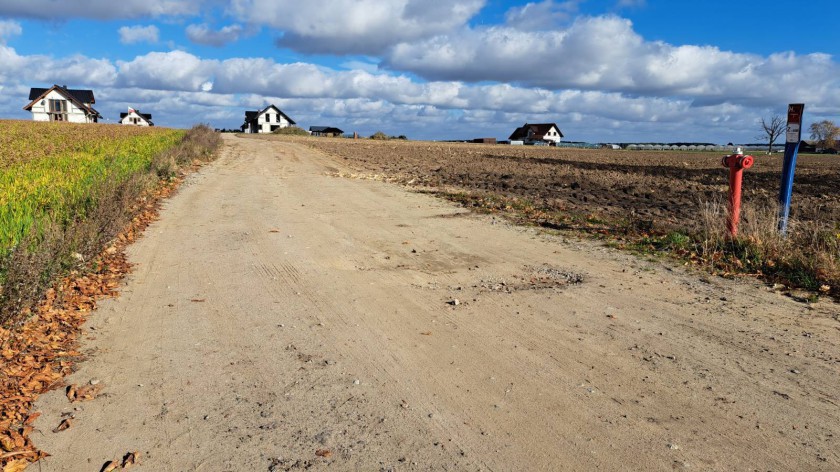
(664, 188)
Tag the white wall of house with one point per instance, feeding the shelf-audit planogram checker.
(271, 118)
(134, 119)
(41, 110)
(552, 135)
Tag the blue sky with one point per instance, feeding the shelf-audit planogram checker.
(603, 70)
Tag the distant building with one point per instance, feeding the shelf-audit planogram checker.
(134, 117)
(537, 133)
(266, 120)
(325, 131)
(58, 103)
(484, 141)
(806, 147)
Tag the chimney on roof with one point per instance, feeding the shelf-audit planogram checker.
(64, 86)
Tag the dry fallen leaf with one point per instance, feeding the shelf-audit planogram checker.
(19, 440)
(110, 466)
(426, 333)
(7, 443)
(16, 465)
(65, 424)
(83, 393)
(130, 459)
(323, 453)
(71, 392)
(198, 300)
(274, 231)
(31, 419)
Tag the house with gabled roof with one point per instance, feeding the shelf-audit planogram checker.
(135, 118)
(537, 133)
(266, 120)
(59, 103)
(325, 131)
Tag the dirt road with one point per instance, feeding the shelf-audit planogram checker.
(281, 318)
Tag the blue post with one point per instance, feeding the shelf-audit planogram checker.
(793, 137)
(788, 169)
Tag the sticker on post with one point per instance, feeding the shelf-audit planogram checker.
(793, 133)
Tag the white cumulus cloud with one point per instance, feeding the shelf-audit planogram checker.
(9, 28)
(605, 53)
(139, 34)
(354, 26)
(174, 70)
(181, 88)
(76, 69)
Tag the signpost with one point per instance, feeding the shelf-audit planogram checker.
(793, 138)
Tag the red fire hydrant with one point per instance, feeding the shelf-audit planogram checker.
(737, 163)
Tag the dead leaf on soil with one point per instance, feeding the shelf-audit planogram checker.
(274, 231)
(16, 465)
(65, 424)
(110, 466)
(71, 392)
(83, 393)
(323, 453)
(130, 459)
(31, 419)
(199, 300)
(7, 443)
(426, 333)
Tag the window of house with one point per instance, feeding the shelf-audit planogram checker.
(58, 106)
(58, 110)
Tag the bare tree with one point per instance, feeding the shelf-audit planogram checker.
(771, 129)
(825, 133)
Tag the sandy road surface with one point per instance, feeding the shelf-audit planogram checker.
(321, 337)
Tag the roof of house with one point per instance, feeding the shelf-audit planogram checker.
(253, 115)
(79, 97)
(84, 96)
(538, 131)
(325, 130)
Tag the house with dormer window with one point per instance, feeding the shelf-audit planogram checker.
(266, 120)
(59, 103)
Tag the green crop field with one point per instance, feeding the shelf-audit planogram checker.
(50, 169)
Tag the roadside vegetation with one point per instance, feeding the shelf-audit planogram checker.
(66, 190)
(291, 131)
(381, 136)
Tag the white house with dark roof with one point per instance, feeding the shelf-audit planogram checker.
(537, 133)
(58, 103)
(266, 120)
(135, 118)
